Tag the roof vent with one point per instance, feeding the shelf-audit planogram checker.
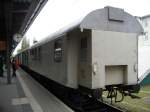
(115, 14)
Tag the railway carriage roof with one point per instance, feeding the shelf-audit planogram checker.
(106, 19)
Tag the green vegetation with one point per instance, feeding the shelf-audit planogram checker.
(136, 105)
(145, 88)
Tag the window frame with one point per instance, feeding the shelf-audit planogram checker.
(58, 50)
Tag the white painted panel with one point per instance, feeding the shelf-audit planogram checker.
(46, 66)
(113, 48)
(72, 60)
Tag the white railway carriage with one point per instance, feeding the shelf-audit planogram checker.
(99, 52)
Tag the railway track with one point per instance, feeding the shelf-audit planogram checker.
(74, 99)
(85, 103)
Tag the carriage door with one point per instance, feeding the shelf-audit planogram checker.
(85, 59)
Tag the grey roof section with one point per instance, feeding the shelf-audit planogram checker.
(108, 19)
(111, 19)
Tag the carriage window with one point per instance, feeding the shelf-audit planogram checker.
(83, 43)
(31, 52)
(58, 50)
(39, 53)
(83, 49)
(35, 53)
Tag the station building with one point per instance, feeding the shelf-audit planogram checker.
(144, 51)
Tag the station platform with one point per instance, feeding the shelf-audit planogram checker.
(27, 95)
(9, 93)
